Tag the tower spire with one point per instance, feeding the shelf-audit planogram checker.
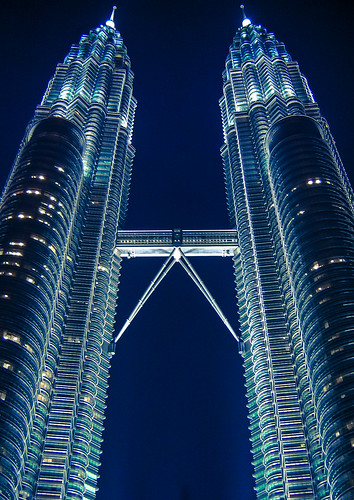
(110, 22)
(245, 20)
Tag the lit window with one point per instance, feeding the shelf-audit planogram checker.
(29, 348)
(48, 374)
(325, 286)
(45, 385)
(74, 340)
(11, 263)
(43, 397)
(326, 387)
(339, 349)
(336, 260)
(38, 238)
(7, 365)
(319, 277)
(11, 336)
(33, 191)
(17, 243)
(44, 222)
(42, 211)
(24, 216)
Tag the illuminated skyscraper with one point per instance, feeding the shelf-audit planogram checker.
(65, 198)
(291, 203)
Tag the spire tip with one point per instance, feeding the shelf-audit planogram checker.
(110, 22)
(245, 20)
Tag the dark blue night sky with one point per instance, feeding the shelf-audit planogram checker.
(176, 425)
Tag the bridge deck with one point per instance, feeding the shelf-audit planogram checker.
(160, 243)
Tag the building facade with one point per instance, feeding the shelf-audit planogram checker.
(63, 203)
(291, 203)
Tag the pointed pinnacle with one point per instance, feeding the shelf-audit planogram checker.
(113, 11)
(110, 22)
(245, 21)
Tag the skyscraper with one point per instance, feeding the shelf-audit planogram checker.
(72, 444)
(65, 198)
(291, 203)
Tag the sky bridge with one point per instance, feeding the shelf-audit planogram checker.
(176, 246)
(193, 243)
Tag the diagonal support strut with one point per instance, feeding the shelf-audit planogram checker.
(163, 271)
(176, 255)
(187, 266)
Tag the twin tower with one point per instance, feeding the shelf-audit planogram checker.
(292, 242)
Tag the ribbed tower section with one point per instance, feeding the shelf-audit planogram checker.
(291, 203)
(63, 203)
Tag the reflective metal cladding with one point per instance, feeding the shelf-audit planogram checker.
(291, 204)
(292, 242)
(60, 212)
